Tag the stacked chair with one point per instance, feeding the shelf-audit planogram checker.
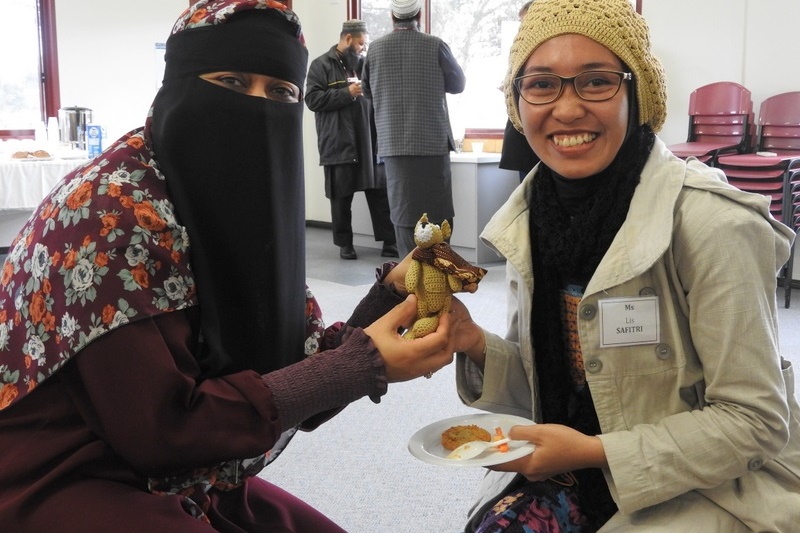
(720, 122)
(774, 169)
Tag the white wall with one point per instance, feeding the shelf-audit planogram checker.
(105, 59)
(322, 23)
(751, 42)
(698, 42)
(107, 63)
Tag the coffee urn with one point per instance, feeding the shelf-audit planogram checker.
(73, 121)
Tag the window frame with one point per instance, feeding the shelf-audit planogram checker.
(49, 89)
(354, 10)
(49, 84)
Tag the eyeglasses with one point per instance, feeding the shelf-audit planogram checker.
(592, 85)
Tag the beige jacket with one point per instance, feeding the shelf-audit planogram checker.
(710, 406)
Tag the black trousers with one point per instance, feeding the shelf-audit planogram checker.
(342, 216)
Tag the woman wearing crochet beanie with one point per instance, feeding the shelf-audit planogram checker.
(642, 290)
(158, 345)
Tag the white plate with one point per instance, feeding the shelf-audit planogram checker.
(426, 444)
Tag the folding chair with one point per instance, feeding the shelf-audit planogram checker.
(720, 121)
(774, 170)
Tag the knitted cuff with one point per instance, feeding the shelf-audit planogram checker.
(329, 379)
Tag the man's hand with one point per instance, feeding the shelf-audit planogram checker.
(355, 89)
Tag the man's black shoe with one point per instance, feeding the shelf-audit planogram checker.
(389, 250)
(347, 252)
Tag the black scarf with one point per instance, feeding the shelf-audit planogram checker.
(234, 169)
(569, 237)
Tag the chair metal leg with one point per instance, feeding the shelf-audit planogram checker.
(787, 278)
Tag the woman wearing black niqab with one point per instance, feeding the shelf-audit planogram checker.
(158, 346)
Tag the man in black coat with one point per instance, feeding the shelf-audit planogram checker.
(346, 139)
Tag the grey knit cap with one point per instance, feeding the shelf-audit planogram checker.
(354, 26)
(405, 9)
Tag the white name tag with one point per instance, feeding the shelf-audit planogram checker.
(629, 321)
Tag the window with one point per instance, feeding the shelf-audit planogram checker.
(479, 33)
(28, 76)
(29, 85)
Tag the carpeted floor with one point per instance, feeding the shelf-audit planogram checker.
(356, 468)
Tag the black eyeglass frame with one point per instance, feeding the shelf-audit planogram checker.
(623, 76)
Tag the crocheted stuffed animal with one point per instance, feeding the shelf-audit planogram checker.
(435, 273)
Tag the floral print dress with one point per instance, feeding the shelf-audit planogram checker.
(109, 225)
(104, 249)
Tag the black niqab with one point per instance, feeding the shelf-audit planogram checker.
(233, 164)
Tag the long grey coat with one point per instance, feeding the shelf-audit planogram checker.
(701, 430)
(407, 75)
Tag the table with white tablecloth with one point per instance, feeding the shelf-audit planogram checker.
(23, 185)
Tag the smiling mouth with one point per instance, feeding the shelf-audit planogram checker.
(574, 140)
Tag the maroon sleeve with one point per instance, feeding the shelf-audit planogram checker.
(378, 301)
(137, 388)
(329, 379)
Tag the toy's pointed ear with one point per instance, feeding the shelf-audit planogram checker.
(422, 222)
(446, 231)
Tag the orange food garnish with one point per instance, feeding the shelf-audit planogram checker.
(498, 434)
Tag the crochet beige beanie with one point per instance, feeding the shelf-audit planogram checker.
(612, 23)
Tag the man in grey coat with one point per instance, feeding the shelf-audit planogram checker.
(345, 138)
(407, 74)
